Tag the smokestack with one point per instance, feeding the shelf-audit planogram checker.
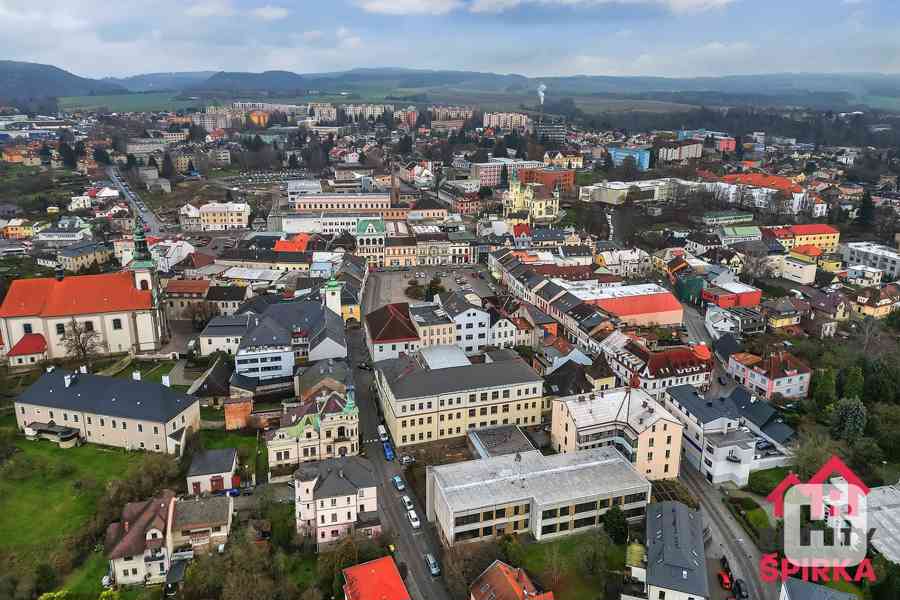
(540, 90)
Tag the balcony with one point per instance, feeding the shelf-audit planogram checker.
(155, 556)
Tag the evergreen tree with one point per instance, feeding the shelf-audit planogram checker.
(866, 215)
(853, 382)
(615, 524)
(849, 421)
(500, 149)
(168, 167)
(504, 177)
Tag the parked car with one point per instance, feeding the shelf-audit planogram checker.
(364, 366)
(724, 562)
(723, 380)
(398, 483)
(724, 580)
(432, 565)
(740, 589)
(388, 451)
(407, 502)
(413, 519)
(406, 459)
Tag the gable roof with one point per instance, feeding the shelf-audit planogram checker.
(391, 323)
(128, 537)
(675, 557)
(195, 513)
(110, 396)
(337, 476)
(226, 293)
(187, 286)
(209, 462)
(377, 579)
(31, 343)
(77, 295)
(501, 581)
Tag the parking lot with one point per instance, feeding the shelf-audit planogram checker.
(388, 287)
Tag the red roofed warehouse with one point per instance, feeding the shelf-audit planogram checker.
(377, 579)
(390, 332)
(731, 294)
(119, 306)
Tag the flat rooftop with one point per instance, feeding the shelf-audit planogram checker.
(499, 441)
(555, 479)
(636, 408)
(592, 290)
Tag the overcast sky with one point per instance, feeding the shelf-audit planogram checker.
(689, 38)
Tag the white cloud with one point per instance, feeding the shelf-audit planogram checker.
(676, 6)
(210, 8)
(270, 12)
(347, 39)
(409, 7)
(312, 36)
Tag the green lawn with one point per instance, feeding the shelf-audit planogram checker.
(758, 518)
(84, 582)
(302, 569)
(245, 444)
(127, 102)
(47, 493)
(150, 370)
(763, 482)
(573, 583)
(208, 413)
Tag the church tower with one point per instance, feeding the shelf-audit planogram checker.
(333, 296)
(153, 327)
(142, 264)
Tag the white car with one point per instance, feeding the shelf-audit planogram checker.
(413, 519)
(407, 502)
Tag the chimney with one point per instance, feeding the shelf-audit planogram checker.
(69, 380)
(83, 369)
(136, 375)
(166, 381)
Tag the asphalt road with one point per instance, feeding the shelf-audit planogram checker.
(411, 544)
(728, 537)
(132, 197)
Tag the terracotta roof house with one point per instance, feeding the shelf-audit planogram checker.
(28, 352)
(777, 373)
(501, 581)
(390, 331)
(377, 579)
(137, 544)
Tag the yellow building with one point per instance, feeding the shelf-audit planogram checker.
(629, 419)
(260, 118)
(537, 201)
(565, 161)
(875, 302)
(18, 229)
(830, 262)
(822, 236)
(434, 326)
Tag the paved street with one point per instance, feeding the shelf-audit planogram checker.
(728, 537)
(132, 197)
(412, 545)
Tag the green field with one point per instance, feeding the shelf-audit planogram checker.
(573, 584)
(245, 444)
(127, 102)
(47, 493)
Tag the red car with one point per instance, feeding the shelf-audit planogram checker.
(725, 580)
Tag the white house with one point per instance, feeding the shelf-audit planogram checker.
(472, 322)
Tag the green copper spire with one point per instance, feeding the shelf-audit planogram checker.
(142, 258)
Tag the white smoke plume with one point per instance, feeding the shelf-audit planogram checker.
(540, 90)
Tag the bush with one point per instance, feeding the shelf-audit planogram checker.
(763, 482)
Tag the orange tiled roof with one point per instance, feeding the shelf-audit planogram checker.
(78, 295)
(187, 286)
(377, 579)
(298, 243)
(501, 581)
(808, 250)
(813, 229)
(764, 180)
(635, 305)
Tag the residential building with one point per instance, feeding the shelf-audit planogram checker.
(555, 133)
(213, 470)
(83, 255)
(370, 238)
(501, 120)
(343, 203)
(874, 255)
(335, 498)
(287, 333)
(433, 325)
(567, 160)
(527, 492)
(501, 580)
(779, 373)
(798, 271)
(377, 579)
(437, 393)
(123, 307)
(728, 217)
(137, 545)
(824, 237)
(189, 218)
(654, 371)
(199, 525)
(227, 298)
(472, 322)
(721, 434)
(110, 411)
(325, 425)
(625, 262)
(680, 151)
(184, 296)
(224, 334)
(552, 178)
(223, 216)
(488, 173)
(736, 321)
(390, 331)
(675, 564)
(876, 302)
(864, 276)
(627, 419)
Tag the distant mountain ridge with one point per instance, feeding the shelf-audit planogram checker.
(19, 80)
(149, 82)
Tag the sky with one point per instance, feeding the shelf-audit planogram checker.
(676, 38)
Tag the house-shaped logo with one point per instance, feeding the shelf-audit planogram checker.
(835, 529)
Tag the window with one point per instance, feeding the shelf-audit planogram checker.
(117, 324)
(88, 325)
(60, 329)
(26, 327)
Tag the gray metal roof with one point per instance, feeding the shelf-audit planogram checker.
(108, 396)
(235, 326)
(546, 480)
(210, 462)
(797, 589)
(693, 402)
(408, 378)
(200, 512)
(675, 555)
(337, 476)
(278, 321)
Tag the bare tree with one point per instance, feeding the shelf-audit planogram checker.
(200, 313)
(82, 342)
(869, 332)
(756, 265)
(554, 564)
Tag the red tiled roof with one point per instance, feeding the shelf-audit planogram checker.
(764, 180)
(78, 295)
(377, 579)
(521, 229)
(298, 243)
(807, 250)
(187, 286)
(670, 361)
(31, 343)
(501, 581)
(391, 323)
(636, 305)
(813, 229)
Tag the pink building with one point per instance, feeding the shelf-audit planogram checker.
(726, 144)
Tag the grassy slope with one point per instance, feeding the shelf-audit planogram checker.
(51, 506)
(573, 584)
(126, 102)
